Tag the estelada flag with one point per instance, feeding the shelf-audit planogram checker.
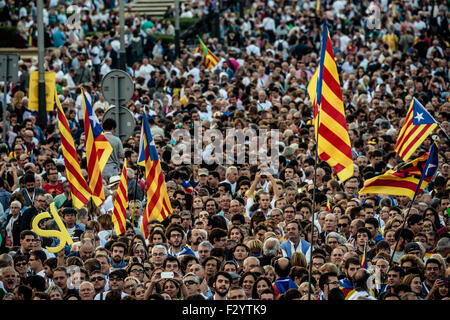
(408, 180)
(418, 125)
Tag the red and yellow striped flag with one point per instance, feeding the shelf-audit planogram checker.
(416, 128)
(408, 180)
(119, 216)
(331, 134)
(98, 150)
(211, 59)
(81, 193)
(158, 203)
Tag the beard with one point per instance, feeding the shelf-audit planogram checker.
(117, 259)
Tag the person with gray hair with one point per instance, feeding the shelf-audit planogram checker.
(231, 178)
(11, 233)
(271, 249)
(443, 247)
(192, 283)
(333, 239)
(159, 253)
(250, 263)
(204, 250)
(6, 260)
(55, 292)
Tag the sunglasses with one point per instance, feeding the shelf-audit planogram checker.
(99, 279)
(343, 225)
(21, 264)
(190, 282)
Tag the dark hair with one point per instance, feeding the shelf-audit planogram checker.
(169, 259)
(36, 282)
(224, 274)
(372, 221)
(216, 234)
(364, 230)
(255, 292)
(413, 219)
(25, 291)
(40, 255)
(109, 124)
(323, 280)
(351, 260)
(336, 294)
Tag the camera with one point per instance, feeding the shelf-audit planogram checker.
(166, 275)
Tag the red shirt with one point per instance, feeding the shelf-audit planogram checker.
(53, 190)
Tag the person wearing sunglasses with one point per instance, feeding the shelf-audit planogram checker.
(192, 283)
(21, 266)
(344, 226)
(98, 279)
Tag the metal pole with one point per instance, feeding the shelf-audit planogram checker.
(42, 114)
(177, 28)
(122, 35)
(5, 92)
(117, 97)
(313, 212)
(217, 18)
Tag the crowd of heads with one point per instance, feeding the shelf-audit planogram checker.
(238, 231)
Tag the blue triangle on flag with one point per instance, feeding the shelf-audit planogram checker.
(421, 115)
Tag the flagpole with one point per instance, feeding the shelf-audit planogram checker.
(318, 101)
(403, 226)
(134, 196)
(439, 125)
(313, 208)
(424, 173)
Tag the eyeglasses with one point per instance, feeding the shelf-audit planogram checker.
(137, 271)
(333, 283)
(189, 282)
(158, 254)
(99, 279)
(115, 279)
(343, 225)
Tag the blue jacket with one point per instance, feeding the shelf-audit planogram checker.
(183, 251)
(281, 285)
(286, 246)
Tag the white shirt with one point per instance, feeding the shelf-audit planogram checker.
(102, 295)
(79, 104)
(268, 24)
(146, 70)
(105, 69)
(358, 294)
(252, 49)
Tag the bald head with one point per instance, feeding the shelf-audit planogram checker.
(86, 250)
(282, 267)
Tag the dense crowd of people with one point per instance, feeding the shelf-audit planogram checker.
(238, 231)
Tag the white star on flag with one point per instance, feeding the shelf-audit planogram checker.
(429, 167)
(94, 120)
(419, 116)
